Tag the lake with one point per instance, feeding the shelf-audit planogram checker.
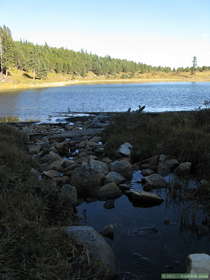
(38, 104)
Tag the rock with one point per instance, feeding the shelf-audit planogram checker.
(125, 149)
(49, 158)
(123, 167)
(154, 181)
(166, 166)
(108, 231)
(142, 198)
(87, 180)
(124, 187)
(51, 173)
(147, 172)
(183, 169)
(114, 177)
(62, 180)
(98, 166)
(109, 204)
(109, 191)
(69, 192)
(63, 148)
(34, 148)
(198, 263)
(100, 251)
(57, 165)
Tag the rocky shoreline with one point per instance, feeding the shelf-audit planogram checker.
(71, 157)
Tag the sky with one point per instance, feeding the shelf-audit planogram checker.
(155, 32)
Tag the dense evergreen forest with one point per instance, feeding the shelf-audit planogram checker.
(42, 59)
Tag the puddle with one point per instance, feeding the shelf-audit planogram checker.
(151, 241)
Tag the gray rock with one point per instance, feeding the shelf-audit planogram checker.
(69, 192)
(114, 177)
(183, 169)
(198, 263)
(108, 231)
(57, 165)
(142, 198)
(98, 166)
(150, 163)
(51, 173)
(123, 167)
(99, 250)
(125, 149)
(155, 181)
(124, 187)
(166, 166)
(87, 180)
(109, 191)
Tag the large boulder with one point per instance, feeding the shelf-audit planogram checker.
(144, 199)
(154, 181)
(109, 191)
(198, 263)
(100, 252)
(88, 177)
(123, 167)
(125, 149)
(114, 177)
(183, 169)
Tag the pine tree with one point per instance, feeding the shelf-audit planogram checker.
(194, 65)
(7, 50)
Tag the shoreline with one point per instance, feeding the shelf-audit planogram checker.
(15, 87)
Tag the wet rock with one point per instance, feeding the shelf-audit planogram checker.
(51, 173)
(108, 231)
(125, 149)
(154, 181)
(99, 250)
(123, 167)
(109, 191)
(69, 192)
(198, 263)
(114, 177)
(142, 198)
(109, 204)
(183, 169)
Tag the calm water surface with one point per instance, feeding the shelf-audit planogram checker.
(40, 103)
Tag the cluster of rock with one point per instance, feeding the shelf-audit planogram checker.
(72, 158)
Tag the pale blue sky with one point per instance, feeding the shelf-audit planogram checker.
(157, 32)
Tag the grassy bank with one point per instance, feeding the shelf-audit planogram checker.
(22, 80)
(184, 135)
(32, 242)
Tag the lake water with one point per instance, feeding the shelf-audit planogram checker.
(40, 103)
(148, 253)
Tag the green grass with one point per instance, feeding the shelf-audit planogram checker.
(184, 135)
(33, 244)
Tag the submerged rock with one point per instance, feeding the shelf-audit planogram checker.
(144, 199)
(109, 204)
(100, 251)
(108, 231)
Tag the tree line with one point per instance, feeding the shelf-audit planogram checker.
(42, 59)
